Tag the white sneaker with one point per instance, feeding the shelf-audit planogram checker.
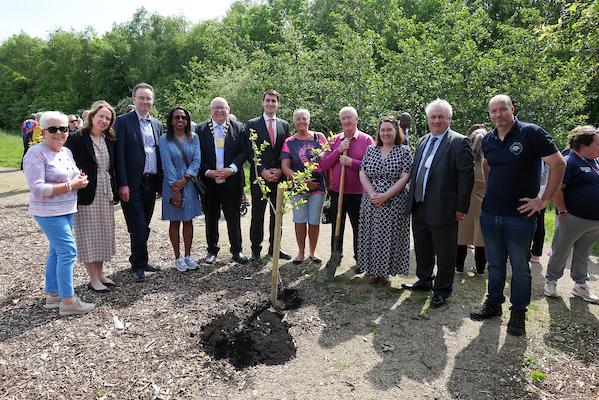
(52, 302)
(76, 307)
(191, 262)
(550, 288)
(180, 264)
(585, 293)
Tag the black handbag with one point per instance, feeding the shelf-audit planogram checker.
(202, 189)
(327, 216)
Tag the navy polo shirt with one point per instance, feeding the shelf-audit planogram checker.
(515, 167)
(581, 191)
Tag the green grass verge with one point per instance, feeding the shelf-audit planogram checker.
(550, 228)
(11, 149)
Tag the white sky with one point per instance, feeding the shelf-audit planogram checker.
(40, 17)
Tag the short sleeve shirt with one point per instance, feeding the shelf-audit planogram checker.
(581, 191)
(302, 151)
(515, 167)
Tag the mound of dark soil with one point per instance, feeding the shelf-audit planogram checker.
(263, 339)
(291, 299)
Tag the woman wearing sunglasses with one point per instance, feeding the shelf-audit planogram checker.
(53, 179)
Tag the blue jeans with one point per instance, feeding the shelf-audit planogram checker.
(61, 255)
(508, 236)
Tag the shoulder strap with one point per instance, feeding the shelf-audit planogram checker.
(178, 144)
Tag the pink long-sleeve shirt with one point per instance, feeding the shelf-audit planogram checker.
(330, 161)
(43, 168)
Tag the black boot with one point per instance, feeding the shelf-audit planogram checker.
(486, 310)
(517, 324)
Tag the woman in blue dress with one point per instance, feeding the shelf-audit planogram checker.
(180, 155)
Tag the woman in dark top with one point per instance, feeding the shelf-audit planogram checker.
(93, 153)
(576, 205)
(305, 146)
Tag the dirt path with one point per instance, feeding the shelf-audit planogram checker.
(353, 341)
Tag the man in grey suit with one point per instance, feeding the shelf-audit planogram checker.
(439, 196)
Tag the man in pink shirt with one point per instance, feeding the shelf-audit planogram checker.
(355, 142)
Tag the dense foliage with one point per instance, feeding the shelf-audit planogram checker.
(381, 56)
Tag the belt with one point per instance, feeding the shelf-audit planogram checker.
(149, 176)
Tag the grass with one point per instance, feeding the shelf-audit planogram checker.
(550, 228)
(11, 149)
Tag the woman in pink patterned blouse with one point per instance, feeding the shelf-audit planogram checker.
(53, 179)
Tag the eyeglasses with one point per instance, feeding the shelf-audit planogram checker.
(73, 120)
(54, 129)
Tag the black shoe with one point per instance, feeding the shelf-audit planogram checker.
(486, 310)
(256, 258)
(418, 286)
(358, 270)
(240, 258)
(152, 268)
(517, 324)
(138, 276)
(437, 300)
(282, 255)
(210, 258)
(93, 289)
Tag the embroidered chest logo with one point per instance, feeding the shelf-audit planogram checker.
(516, 148)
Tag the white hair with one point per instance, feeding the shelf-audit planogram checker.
(501, 98)
(221, 99)
(439, 103)
(348, 109)
(298, 111)
(53, 116)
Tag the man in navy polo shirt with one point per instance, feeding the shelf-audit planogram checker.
(512, 169)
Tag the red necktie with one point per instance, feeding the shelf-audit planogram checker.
(271, 132)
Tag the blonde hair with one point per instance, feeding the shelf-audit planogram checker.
(97, 106)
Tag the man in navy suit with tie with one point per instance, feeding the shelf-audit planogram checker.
(138, 174)
(225, 148)
(273, 131)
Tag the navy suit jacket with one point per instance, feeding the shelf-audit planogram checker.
(271, 157)
(130, 156)
(237, 151)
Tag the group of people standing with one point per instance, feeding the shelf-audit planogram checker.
(481, 190)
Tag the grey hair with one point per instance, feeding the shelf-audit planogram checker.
(501, 98)
(214, 100)
(301, 111)
(439, 103)
(350, 109)
(53, 115)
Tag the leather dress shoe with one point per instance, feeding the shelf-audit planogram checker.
(240, 258)
(138, 276)
(210, 258)
(152, 268)
(256, 259)
(282, 255)
(417, 286)
(437, 301)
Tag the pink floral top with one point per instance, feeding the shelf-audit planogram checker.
(43, 168)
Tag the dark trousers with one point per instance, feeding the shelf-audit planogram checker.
(351, 207)
(480, 259)
(258, 209)
(138, 214)
(539, 237)
(430, 242)
(217, 199)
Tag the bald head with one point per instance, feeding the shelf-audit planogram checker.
(219, 110)
(501, 98)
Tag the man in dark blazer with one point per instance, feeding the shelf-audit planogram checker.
(225, 148)
(138, 174)
(440, 185)
(273, 131)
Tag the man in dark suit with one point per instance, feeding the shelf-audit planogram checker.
(225, 148)
(439, 196)
(138, 174)
(273, 131)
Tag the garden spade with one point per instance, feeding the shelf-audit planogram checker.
(335, 259)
